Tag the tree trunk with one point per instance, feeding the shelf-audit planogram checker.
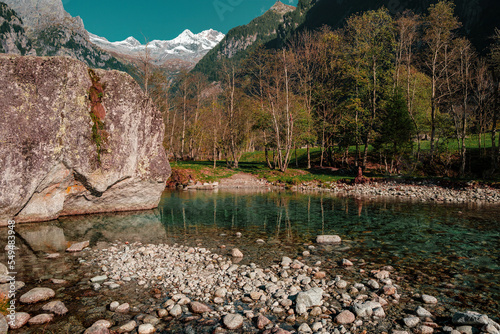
(308, 157)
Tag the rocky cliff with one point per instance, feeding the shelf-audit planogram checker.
(54, 32)
(75, 141)
(13, 38)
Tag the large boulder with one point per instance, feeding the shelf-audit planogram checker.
(76, 141)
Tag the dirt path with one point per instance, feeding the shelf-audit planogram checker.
(243, 180)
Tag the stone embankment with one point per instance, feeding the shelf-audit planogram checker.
(198, 286)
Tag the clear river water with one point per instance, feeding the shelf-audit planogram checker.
(450, 251)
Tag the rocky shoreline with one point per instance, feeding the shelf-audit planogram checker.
(196, 290)
(420, 191)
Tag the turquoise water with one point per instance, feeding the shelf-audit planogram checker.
(450, 248)
(449, 251)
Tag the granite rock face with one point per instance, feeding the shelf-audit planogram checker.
(63, 154)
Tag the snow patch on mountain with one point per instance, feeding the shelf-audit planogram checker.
(187, 46)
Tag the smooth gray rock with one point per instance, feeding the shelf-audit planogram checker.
(113, 306)
(56, 307)
(345, 317)
(300, 308)
(365, 309)
(99, 279)
(310, 298)
(146, 329)
(149, 319)
(128, 327)
(422, 312)
(470, 318)
(429, 299)
(197, 307)
(20, 320)
(176, 310)
(411, 321)
(233, 321)
(41, 319)
(235, 252)
(467, 330)
(328, 239)
(96, 330)
(304, 328)
(78, 246)
(37, 295)
(123, 308)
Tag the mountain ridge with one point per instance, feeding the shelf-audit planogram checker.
(188, 47)
(261, 29)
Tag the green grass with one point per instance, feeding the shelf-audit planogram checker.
(203, 171)
(254, 163)
(471, 142)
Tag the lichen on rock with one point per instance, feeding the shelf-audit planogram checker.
(47, 150)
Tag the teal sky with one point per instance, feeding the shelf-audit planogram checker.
(164, 19)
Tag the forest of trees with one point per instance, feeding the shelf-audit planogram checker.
(388, 83)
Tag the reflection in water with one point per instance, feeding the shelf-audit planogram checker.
(453, 244)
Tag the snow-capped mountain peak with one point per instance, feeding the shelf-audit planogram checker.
(185, 37)
(132, 41)
(187, 46)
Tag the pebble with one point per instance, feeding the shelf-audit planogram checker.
(58, 281)
(425, 329)
(78, 246)
(311, 297)
(149, 319)
(317, 326)
(422, 312)
(56, 307)
(373, 284)
(347, 263)
(176, 311)
(262, 321)
(469, 318)
(197, 307)
(20, 320)
(99, 279)
(123, 308)
(113, 306)
(235, 252)
(96, 330)
(37, 295)
(233, 321)
(345, 317)
(103, 323)
(465, 330)
(328, 239)
(285, 291)
(128, 327)
(411, 321)
(52, 256)
(146, 329)
(41, 319)
(304, 328)
(221, 292)
(429, 299)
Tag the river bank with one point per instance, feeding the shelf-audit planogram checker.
(146, 288)
(421, 191)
